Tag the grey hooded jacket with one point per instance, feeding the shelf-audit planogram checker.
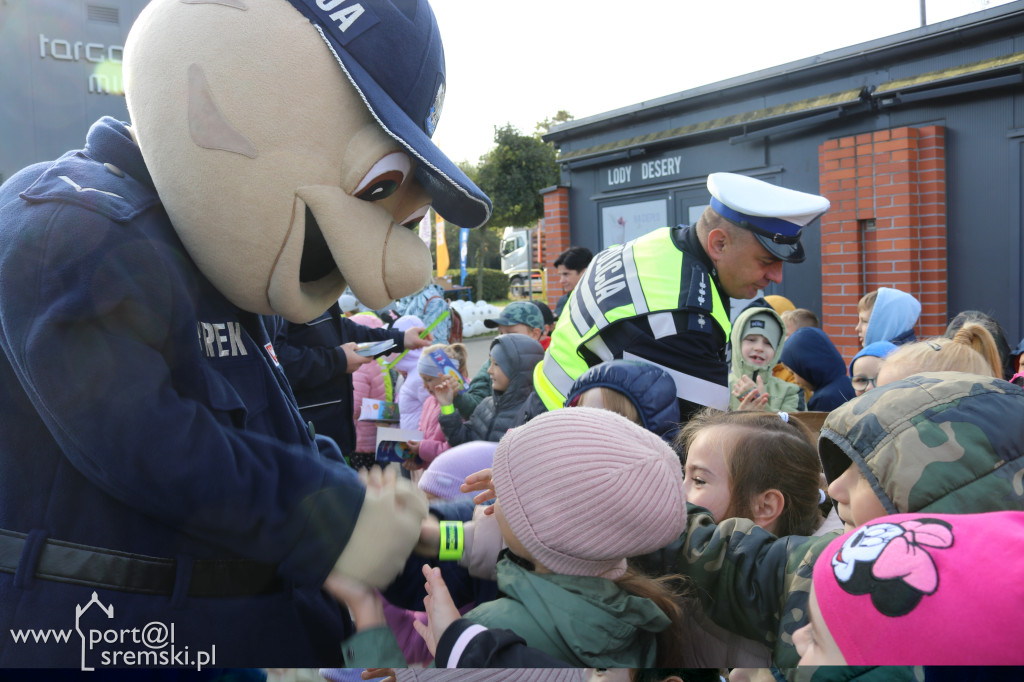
(516, 355)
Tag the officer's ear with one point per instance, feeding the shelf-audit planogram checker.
(718, 240)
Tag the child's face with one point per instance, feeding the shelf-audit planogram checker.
(499, 382)
(865, 373)
(756, 350)
(431, 382)
(512, 541)
(814, 642)
(863, 316)
(856, 502)
(706, 476)
(520, 328)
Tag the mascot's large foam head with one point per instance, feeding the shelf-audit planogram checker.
(289, 141)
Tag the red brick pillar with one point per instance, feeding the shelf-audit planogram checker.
(887, 226)
(556, 234)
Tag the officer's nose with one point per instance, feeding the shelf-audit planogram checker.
(774, 273)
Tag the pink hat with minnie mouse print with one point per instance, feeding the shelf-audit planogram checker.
(926, 589)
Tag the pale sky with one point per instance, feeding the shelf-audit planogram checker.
(520, 61)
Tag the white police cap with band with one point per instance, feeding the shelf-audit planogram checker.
(774, 214)
(391, 53)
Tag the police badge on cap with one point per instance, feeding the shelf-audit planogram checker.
(774, 214)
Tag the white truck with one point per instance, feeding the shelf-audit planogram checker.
(517, 262)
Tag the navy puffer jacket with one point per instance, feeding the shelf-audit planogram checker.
(651, 390)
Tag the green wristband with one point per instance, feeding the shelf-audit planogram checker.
(447, 409)
(452, 541)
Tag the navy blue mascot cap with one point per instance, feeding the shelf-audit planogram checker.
(392, 54)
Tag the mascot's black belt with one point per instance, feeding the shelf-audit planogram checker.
(108, 569)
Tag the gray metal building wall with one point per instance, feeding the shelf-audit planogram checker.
(49, 53)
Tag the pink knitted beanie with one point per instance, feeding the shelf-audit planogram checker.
(926, 589)
(583, 488)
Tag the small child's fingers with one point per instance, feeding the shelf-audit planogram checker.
(436, 585)
(425, 570)
(484, 496)
(421, 628)
(478, 476)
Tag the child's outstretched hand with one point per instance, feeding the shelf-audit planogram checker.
(752, 395)
(481, 480)
(440, 608)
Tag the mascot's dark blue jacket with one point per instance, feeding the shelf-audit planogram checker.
(153, 465)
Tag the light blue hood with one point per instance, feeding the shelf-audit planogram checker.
(893, 317)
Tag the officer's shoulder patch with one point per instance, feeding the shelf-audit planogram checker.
(699, 322)
(698, 295)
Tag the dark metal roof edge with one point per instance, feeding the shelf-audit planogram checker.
(953, 73)
(792, 110)
(939, 32)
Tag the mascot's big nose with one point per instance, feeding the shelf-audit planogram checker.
(378, 258)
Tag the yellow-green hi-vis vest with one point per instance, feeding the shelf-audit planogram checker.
(639, 278)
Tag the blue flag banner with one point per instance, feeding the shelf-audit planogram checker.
(463, 249)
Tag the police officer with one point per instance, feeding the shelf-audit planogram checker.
(663, 298)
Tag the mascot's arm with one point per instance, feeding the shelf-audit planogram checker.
(94, 328)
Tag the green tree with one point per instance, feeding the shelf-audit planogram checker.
(513, 173)
(545, 126)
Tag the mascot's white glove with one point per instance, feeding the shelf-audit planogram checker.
(386, 531)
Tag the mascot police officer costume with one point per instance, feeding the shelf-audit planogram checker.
(153, 467)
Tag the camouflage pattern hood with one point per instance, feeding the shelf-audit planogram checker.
(943, 442)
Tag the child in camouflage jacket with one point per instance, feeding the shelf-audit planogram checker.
(943, 442)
